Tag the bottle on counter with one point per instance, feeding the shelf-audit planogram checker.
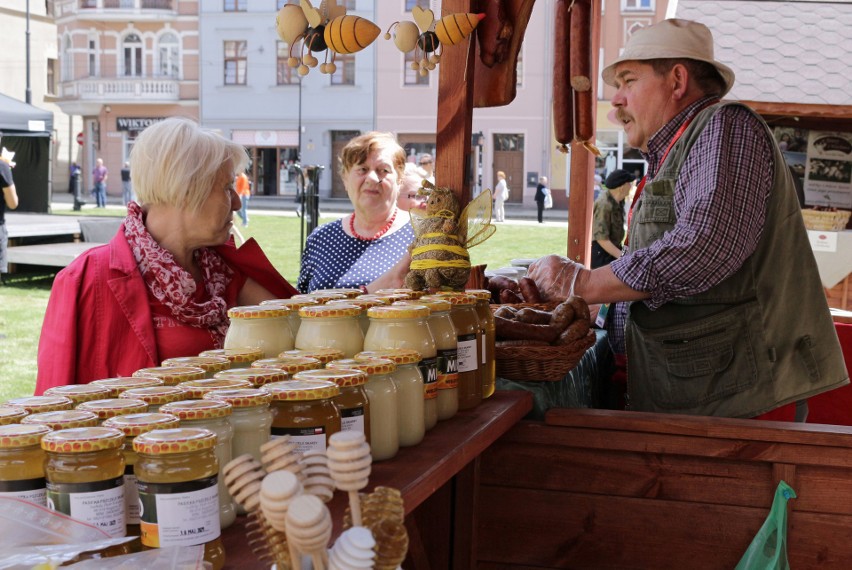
(251, 417)
(305, 411)
(260, 326)
(238, 357)
(489, 340)
(292, 305)
(210, 364)
(331, 326)
(363, 304)
(353, 402)
(22, 462)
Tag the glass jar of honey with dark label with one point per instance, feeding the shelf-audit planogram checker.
(305, 411)
(22, 462)
(489, 340)
(353, 403)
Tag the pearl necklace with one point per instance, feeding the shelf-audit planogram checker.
(378, 234)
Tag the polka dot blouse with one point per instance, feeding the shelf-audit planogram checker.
(334, 260)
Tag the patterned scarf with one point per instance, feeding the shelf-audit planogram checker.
(174, 286)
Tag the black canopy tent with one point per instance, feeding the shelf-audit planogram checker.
(26, 131)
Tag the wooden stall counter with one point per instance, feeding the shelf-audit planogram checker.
(438, 480)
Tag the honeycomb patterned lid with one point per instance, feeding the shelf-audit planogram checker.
(235, 355)
(399, 312)
(257, 376)
(455, 298)
(137, 424)
(343, 377)
(292, 304)
(79, 393)
(397, 355)
(35, 404)
(411, 293)
(324, 355)
(82, 440)
(339, 310)
(363, 304)
(118, 385)
(371, 366)
(302, 390)
(11, 414)
(241, 397)
(180, 440)
(22, 435)
(172, 375)
(63, 419)
(383, 299)
(258, 312)
(154, 395)
(348, 293)
(435, 305)
(321, 298)
(290, 365)
(196, 389)
(111, 407)
(395, 296)
(191, 410)
(480, 294)
(210, 364)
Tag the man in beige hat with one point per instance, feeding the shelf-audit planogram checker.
(716, 299)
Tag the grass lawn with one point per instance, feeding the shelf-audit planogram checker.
(24, 300)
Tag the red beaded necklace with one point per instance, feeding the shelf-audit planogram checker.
(378, 234)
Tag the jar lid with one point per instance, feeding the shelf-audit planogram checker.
(363, 304)
(456, 298)
(258, 312)
(137, 424)
(171, 375)
(257, 376)
(343, 377)
(11, 414)
(383, 299)
(329, 311)
(397, 355)
(79, 393)
(210, 364)
(180, 440)
(320, 298)
(399, 312)
(195, 389)
(82, 440)
(63, 419)
(435, 305)
(21, 435)
(302, 390)
(235, 355)
(369, 365)
(290, 364)
(118, 385)
(411, 293)
(292, 304)
(190, 410)
(324, 355)
(395, 296)
(111, 407)
(35, 404)
(347, 292)
(241, 397)
(155, 395)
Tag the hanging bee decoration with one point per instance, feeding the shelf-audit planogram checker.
(326, 29)
(426, 36)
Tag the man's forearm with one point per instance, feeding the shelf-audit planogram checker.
(602, 286)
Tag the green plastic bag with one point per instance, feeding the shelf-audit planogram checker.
(768, 549)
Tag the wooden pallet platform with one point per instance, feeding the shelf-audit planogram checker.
(51, 254)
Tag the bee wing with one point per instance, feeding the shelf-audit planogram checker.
(312, 14)
(418, 219)
(424, 17)
(475, 220)
(333, 9)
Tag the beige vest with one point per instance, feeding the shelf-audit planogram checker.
(760, 339)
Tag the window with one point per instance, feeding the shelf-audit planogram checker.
(412, 76)
(235, 5)
(410, 4)
(168, 56)
(92, 53)
(132, 50)
(345, 72)
(235, 63)
(52, 67)
(286, 74)
(637, 5)
(67, 60)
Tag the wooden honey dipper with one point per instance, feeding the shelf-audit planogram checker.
(353, 550)
(318, 479)
(243, 475)
(282, 453)
(309, 529)
(349, 463)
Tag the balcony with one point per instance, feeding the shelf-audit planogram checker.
(126, 4)
(115, 10)
(85, 96)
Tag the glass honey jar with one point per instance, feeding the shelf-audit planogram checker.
(79, 393)
(118, 385)
(36, 404)
(111, 407)
(489, 340)
(260, 326)
(324, 355)
(155, 396)
(353, 402)
(348, 293)
(11, 415)
(196, 389)
(305, 411)
(132, 425)
(365, 305)
(64, 419)
(331, 326)
(410, 294)
(288, 364)
(320, 298)
(22, 462)
(469, 339)
(256, 376)
(172, 375)
(176, 473)
(85, 476)
(210, 364)
(251, 418)
(238, 357)
(293, 305)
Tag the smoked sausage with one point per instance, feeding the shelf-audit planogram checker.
(514, 330)
(529, 290)
(509, 296)
(530, 315)
(563, 100)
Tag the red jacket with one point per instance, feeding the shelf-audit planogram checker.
(98, 322)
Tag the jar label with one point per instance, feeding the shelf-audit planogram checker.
(352, 419)
(179, 514)
(429, 371)
(468, 361)
(308, 438)
(99, 503)
(448, 369)
(32, 490)
(131, 496)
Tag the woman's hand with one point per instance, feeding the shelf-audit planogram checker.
(554, 276)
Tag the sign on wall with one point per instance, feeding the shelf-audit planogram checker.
(828, 170)
(135, 123)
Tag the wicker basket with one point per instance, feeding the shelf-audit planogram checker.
(823, 220)
(533, 363)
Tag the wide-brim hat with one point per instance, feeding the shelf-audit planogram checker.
(673, 38)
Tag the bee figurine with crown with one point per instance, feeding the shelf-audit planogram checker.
(442, 235)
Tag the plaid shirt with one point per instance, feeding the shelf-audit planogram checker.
(720, 203)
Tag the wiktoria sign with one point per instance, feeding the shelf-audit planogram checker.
(135, 123)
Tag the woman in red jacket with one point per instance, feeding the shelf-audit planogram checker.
(162, 286)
